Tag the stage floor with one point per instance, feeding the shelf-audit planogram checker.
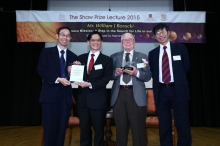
(31, 136)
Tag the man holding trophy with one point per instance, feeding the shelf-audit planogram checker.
(130, 71)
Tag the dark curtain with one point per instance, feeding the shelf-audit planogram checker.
(20, 88)
(205, 63)
(20, 83)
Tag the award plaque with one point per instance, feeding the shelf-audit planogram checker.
(76, 74)
(127, 65)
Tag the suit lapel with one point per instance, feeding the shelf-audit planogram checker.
(135, 57)
(67, 57)
(84, 59)
(157, 55)
(172, 49)
(99, 59)
(173, 53)
(120, 59)
(84, 62)
(56, 60)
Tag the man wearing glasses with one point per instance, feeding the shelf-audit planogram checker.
(56, 92)
(169, 64)
(128, 95)
(92, 100)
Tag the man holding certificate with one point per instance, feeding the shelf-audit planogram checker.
(56, 90)
(92, 97)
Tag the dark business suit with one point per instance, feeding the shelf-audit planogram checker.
(175, 97)
(92, 103)
(55, 98)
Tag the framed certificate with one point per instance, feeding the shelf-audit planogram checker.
(76, 74)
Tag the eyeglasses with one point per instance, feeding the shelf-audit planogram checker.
(65, 35)
(95, 40)
(158, 33)
(128, 40)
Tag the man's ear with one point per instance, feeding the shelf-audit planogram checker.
(57, 36)
(168, 33)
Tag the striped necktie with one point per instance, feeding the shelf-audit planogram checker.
(165, 67)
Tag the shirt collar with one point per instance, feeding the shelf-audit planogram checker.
(96, 53)
(59, 49)
(131, 52)
(167, 45)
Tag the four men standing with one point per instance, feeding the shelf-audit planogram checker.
(129, 70)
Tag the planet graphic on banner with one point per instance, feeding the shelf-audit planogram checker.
(199, 36)
(147, 35)
(173, 35)
(187, 36)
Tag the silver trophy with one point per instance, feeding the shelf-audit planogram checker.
(127, 65)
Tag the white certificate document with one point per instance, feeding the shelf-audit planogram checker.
(76, 74)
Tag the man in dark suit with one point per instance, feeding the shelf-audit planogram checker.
(56, 92)
(170, 86)
(92, 96)
(128, 92)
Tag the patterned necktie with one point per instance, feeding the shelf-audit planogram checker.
(91, 63)
(126, 77)
(62, 64)
(165, 67)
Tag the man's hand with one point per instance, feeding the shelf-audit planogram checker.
(118, 71)
(64, 81)
(70, 66)
(131, 72)
(84, 84)
(76, 63)
(69, 69)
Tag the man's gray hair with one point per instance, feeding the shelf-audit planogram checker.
(122, 36)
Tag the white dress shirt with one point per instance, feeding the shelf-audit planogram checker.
(170, 62)
(123, 64)
(95, 58)
(59, 49)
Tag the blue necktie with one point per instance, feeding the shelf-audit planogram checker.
(165, 67)
(62, 65)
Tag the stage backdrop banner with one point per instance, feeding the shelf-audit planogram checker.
(40, 26)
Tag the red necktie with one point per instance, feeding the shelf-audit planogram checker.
(91, 63)
(165, 67)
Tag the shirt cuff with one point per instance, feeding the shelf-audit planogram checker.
(138, 74)
(57, 81)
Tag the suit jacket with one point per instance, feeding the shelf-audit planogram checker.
(49, 70)
(138, 83)
(95, 98)
(180, 69)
